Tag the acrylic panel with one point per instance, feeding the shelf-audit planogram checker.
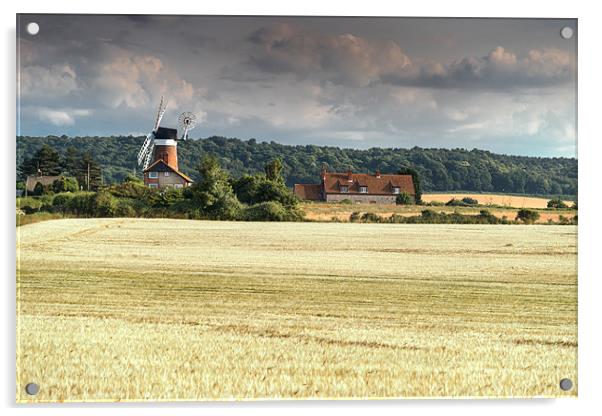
(257, 208)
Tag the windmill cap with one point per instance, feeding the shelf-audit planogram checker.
(164, 133)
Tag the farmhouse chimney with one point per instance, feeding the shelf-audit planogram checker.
(377, 174)
(349, 176)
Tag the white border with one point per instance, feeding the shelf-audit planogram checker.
(590, 288)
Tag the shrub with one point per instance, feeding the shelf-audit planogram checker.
(61, 201)
(404, 198)
(528, 216)
(65, 184)
(464, 202)
(346, 202)
(266, 211)
(41, 189)
(397, 219)
(355, 216)
(81, 204)
(131, 189)
(125, 208)
(370, 217)
(486, 217)
(557, 203)
(213, 194)
(455, 203)
(104, 204)
(470, 201)
(33, 203)
(167, 197)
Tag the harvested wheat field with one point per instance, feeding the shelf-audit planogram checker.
(140, 309)
(515, 201)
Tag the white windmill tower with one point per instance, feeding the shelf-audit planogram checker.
(146, 152)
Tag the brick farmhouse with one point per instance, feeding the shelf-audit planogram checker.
(357, 187)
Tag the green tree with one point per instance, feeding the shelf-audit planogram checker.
(46, 161)
(72, 161)
(40, 189)
(105, 204)
(270, 211)
(65, 184)
(90, 173)
(528, 216)
(213, 192)
(254, 189)
(557, 203)
(273, 170)
(404, 198)
(416, 180)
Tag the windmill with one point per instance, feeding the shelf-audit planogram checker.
(146, 151)
(186, 122)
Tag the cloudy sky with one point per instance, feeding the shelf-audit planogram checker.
(506, 85)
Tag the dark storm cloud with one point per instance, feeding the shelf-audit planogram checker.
(338, 81)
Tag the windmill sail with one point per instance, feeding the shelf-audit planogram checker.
(145, 147)
(160, 113)
(145, 153)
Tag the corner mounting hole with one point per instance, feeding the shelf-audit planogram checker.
(33, 28)
(566, 32)
(566, 384)
(32, 389)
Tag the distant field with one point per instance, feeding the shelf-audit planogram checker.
(514, 201)
(322, 211)
(134, 309)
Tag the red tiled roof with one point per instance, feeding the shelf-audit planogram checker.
(311, 192)
(160, 165)
(382, 185)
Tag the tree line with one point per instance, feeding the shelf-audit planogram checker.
(79, 170)
(216, 195)
(439, 169)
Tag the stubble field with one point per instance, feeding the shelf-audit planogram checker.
(135, 309)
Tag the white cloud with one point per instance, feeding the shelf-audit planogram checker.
(135, 81)
(40, 81)
(63, 117)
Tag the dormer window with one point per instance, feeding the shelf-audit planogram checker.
(396, 189)
(363, 189)
(344, 189)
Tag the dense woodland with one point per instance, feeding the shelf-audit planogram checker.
(439, 169)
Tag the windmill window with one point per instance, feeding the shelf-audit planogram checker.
(363, 189)
(153, 175)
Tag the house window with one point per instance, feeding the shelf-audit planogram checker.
(363, 189)
(344, 189)
(153, 175)
(396, 189)
(165, 173)
(153, 185)
(178, 185)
